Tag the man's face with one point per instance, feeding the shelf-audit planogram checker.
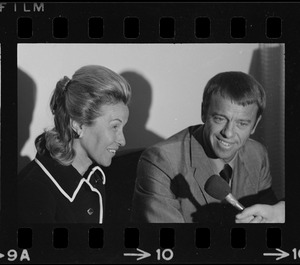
(228, 126)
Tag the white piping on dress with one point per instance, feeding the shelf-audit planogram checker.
(93, 171)
(71, 199)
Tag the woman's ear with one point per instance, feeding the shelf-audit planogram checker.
(77, 128)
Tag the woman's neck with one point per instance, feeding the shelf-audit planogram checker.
(81, 161)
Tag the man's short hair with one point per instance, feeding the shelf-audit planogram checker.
(241, 88)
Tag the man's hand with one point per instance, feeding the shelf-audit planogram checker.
(263, 213)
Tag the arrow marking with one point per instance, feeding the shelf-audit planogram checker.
(142, 255)
(280, 255)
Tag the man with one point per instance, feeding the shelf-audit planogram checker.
(263, 213)
(172, 174)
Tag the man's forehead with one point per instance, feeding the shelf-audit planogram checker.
(218, 98)
(220, 103)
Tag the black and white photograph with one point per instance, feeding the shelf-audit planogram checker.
(151, 146)
(156, 132)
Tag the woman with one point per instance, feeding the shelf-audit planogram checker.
(64, 183)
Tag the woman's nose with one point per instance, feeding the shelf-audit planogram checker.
(121, 139)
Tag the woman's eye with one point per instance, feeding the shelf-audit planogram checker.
(115, 127)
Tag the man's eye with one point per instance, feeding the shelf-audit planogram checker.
(218, 119)
(243, 124)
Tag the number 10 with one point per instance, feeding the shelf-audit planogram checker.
(295, 253)
(166, 254)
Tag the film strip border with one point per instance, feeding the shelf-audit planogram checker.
(143, 23)
(166, 27)
(152, 243)
(131, 236)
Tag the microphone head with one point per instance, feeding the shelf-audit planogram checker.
(217, 187)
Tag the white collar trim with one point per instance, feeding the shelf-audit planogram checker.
(71, 199)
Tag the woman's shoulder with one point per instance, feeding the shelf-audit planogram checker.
(32, 173)
(28, 171)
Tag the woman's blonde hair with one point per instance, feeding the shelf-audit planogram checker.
(80, 99)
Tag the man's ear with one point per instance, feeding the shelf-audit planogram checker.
(256, 123)
(203, 114)
(77, 128)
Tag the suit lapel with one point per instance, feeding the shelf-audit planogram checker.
(201, 163)
(242, 181)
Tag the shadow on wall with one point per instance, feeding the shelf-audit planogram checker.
(26, 104)
(268, 69)
(135, 131)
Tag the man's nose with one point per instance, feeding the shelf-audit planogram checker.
(228, 130)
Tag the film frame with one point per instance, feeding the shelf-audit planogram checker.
(158, 23)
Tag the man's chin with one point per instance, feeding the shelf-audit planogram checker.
(225, 156)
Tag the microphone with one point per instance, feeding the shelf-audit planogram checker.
(218, 188)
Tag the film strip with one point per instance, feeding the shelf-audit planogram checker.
(27, 30)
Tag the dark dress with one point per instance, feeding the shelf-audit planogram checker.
(49, 192)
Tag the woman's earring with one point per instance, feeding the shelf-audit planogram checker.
(78, 131)
(76, 135)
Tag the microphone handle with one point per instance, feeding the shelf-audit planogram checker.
(234, 202)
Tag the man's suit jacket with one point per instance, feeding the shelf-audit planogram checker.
(171, 176)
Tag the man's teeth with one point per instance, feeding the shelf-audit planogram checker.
(224, 143)
(112, 151)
